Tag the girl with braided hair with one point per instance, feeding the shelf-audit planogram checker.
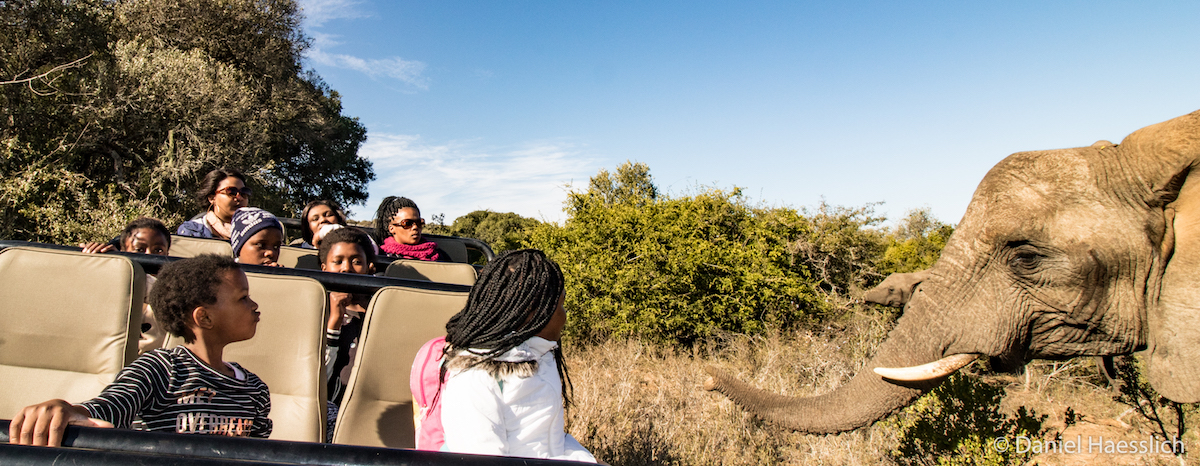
(398, 226)
(503, 372)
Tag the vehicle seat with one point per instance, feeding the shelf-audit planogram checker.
(454, 247)
(377, 407)
(287, 353)
(299, 258)
(68, 324)
(440, 272)
(191, 246)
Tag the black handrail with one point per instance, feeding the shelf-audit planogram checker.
(134, 446)
(343, 282)
(480, 245)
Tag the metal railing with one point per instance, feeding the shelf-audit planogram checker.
(343, 282)
(96, 446)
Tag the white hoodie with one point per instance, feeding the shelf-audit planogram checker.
(506, 412)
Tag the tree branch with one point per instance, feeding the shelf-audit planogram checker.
(75, 64)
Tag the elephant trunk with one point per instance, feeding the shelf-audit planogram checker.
(868, 397)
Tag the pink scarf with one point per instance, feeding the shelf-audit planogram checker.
(426, 251)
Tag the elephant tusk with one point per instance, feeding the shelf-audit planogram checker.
(934, 370)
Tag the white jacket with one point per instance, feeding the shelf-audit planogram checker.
(508, 411)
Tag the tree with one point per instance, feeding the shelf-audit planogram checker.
(501, 231)
(160, 93)
(915, 243)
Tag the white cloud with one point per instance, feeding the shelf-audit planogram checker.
(405, 71)
(459, 177)
(318, 12)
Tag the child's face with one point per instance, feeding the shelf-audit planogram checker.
(146, 241)
(321, 215)
(347, 258)
(553, 329)
(262, 248)
(234, 317)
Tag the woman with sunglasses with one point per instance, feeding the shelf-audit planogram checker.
(224, 191)
(398, 223)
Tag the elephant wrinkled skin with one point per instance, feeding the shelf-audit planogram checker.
(1092, 251)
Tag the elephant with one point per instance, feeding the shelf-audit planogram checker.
(1090, 251)
(896, 289)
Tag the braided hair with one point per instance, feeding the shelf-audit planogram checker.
(387, 209)
(514, 298)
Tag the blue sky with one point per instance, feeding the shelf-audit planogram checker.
(507, 105)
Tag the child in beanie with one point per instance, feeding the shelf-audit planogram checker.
(256, 236)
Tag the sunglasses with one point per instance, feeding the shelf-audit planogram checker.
(409, 223)
(233, 192)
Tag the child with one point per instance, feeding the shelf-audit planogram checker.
(256, 237)
(189, 389)
(343, 250)
(504, 371)
(398, 224)
(146, 236)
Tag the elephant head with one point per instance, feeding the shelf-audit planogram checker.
(896, 289)
(1090, 251)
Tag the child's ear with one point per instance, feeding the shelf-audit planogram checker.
(323, 268)
(201, 318)
(371, 268)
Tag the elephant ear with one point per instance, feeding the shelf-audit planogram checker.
(1173, 363)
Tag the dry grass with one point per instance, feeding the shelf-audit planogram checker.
(641, 403)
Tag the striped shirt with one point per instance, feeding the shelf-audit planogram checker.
(172, 391)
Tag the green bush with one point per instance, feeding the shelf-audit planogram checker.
(958, 423)
(641, 263)
(501, 231)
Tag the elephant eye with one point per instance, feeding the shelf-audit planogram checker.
(1025, 259)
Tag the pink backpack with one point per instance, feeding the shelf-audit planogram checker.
(424, 382)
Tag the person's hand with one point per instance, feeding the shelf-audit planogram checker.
(96, 248)
(338, 302)
(45, 423)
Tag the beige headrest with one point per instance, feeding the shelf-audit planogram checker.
(299, 258)
(68, 324)
(440, 272)
(189, 246)
(377, 407)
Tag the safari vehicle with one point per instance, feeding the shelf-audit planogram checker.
(70, 323)
(463, 250)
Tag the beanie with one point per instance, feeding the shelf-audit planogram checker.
(246, 222)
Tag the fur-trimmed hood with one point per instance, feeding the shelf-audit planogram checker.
(521, 361)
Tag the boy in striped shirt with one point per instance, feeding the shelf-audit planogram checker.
(188, 389)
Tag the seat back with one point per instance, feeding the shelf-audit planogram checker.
(299, 258)
(287, 353)
(440, 272)
(377, 407)
(190, 246)
(68, 323)
(452, 246)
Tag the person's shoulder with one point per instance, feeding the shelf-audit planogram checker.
(194, 226)
(252, 379)
(158, 360)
